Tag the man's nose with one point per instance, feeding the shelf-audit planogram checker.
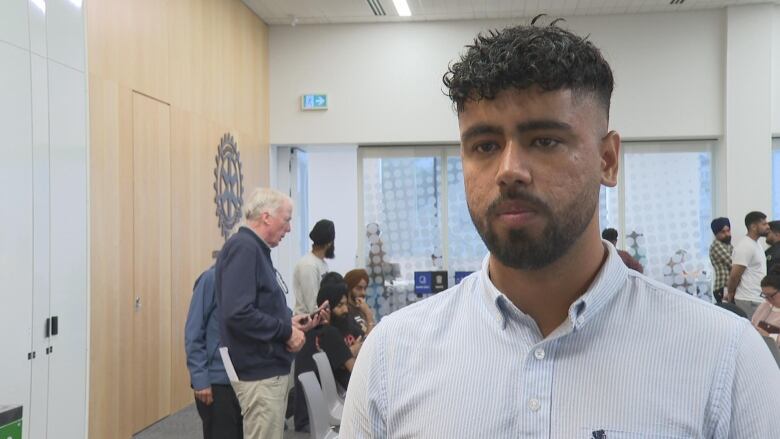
(513, 167)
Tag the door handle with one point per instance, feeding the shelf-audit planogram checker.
(137, 303)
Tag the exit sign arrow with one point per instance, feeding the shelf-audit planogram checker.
(314, 102)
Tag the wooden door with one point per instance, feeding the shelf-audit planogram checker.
(151, 361)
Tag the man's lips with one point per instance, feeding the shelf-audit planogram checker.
(515, 216)
(514, 209)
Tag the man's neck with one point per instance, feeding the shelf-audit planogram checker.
(547, 293)
(753, 236)
(258, 232)
(319, 252)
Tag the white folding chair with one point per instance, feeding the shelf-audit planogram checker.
(332, 398)
(319, 424)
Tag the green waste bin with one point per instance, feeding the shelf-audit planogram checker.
(10, 422)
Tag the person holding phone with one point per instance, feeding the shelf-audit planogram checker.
(259, 331)
(330, 337)
(766, 319)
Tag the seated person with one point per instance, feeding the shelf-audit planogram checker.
(766, 319)
(331, 277)
(359, 311)
(342, 348)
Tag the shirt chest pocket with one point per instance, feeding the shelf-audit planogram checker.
(589, 433)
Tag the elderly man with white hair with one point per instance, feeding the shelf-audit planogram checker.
(257, 327)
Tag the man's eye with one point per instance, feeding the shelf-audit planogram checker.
(486, 147)
(545, 143)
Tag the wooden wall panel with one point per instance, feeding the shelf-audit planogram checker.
(208, 59)
(222, 77)
(151, 360)
(111, 259)
(193, 144)
(127, 41)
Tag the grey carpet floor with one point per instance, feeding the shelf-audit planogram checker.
(185, 424)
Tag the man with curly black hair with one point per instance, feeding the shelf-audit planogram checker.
(554, 337)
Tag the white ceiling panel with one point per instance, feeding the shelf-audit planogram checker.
(287, 12)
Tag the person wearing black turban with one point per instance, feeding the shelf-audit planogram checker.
(311, 268)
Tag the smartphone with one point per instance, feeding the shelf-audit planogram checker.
(768, 327)
(323, 307)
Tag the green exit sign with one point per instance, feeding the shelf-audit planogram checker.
(10, 422)
(314, 102)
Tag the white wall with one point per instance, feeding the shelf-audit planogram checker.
(333, 194)
(384, 80)
(287, 253)
(748, 140)
(43, 226)
(776, 72)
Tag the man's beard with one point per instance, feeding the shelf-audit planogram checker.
(726, 240)
(330, 253)
(522, 251)
(341, 323)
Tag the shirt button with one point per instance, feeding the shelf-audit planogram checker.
(539, 354)
(534, 404)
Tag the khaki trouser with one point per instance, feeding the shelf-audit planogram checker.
(263, 404)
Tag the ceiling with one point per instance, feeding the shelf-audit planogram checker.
(292, 12)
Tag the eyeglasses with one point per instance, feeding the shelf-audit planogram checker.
(768, 296)
(280, 281)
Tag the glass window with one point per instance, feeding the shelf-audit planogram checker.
(402, 215)
(465, 249)
(609, 209)
(414, 206)
(668, 209)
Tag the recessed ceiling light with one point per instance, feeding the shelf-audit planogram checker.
(402, 8)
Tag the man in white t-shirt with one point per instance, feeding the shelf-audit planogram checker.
(312, 266)
(748, 266)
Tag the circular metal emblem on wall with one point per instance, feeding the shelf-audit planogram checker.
(228, 184)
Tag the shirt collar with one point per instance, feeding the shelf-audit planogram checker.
(610, 279)
(251, 232)
(720, 243)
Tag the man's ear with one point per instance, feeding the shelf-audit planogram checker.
(610, 158)
(264, 218)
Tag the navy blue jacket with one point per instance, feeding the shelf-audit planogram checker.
(201, 336)
(255, 319)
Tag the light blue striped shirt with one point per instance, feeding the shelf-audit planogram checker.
(634, 359)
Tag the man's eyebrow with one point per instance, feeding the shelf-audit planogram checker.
(480, 129)
(543, 124)
(523, 127)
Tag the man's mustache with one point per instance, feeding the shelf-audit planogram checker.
(514, 194)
